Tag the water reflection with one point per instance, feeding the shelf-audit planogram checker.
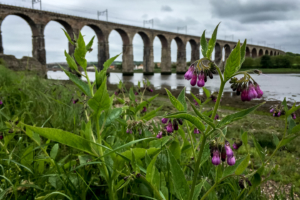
(275, 86)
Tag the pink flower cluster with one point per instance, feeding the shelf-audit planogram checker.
(197, 77)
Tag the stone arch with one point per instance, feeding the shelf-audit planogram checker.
(181, 55)
(248, 52)
(227, 51)
(254, 53)
(266, 52)
(218, 53)
(195, 50)
(32, 25)
(148, 58)
(260, 53)
(271, 53)
(165, 64)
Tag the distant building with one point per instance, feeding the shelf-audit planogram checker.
(141, 66)
(112, 67)
(158, 65)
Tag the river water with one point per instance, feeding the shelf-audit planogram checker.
(274, 86)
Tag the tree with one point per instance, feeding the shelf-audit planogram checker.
(266, 61)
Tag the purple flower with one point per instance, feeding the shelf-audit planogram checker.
(223, 154)
(1, 137)
(272, 110)
(244, 95)
(196, 103)
(228, 150)
(251, 92)
(159, 135)
(116, 93)
(1, 102)
(169, 127)
(236, 145)
(216, 117)
(75, 101)
(136, 93)
(149, 89)
(189, 74)
(201, 81)
(128, 131)
(144, 110)
(216, 158)
(258, 91)
(164, 120)
(230, 160)
(194, 79)
(293, 115)
(196, 131)
(175, 124)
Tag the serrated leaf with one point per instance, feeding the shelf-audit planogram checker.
(233, 62)
(203, 44)
(181, 99)
(71, 62)
(212, 42)
(236, 116)
(206, 92)
(259, 150)
(83, 86)
(54, 151)
(101, 100)
(68, 36)
(244, 164)
(183, 115)
(243, 53)
(80, 52)
(179, 181)
(90, 44)
(174, 101)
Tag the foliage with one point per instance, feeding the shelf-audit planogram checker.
(85, 143)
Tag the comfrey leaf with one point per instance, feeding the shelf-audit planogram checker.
(80, 52)
(176, 103)
(212, 42)
(203, 44)
(233, 62)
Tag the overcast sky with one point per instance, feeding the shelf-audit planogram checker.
(275, 22)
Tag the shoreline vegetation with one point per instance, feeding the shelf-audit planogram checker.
(260, 123)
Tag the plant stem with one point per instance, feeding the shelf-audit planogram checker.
(191, 138)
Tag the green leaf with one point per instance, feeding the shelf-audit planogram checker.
(181, 99)
(293, 109)
(80, 52)
(174, 101)
(245, 140)
(151, 170)
(90, 44)
(27, 157)
(63, 137)
(203, 44)
(196, 99)
(34, 136)
(71, 62)
(68, 36)
(175, 149)
(54, 151)
(296, 129)
(198, 189)
(110, 116)
(83, 86)
(144, 103)
(203, 117)
(131, 94)
(183, 115)
(101, 100)
(233, 62)
(151, 114)
(179, 181)
(287, 140)
(292, 124)
(285, 105)
(231, 169)
(275, 140)
(244, 164)
(243, 53)
(236, 116)
(259, 149)
(212, 42)
(206, 92)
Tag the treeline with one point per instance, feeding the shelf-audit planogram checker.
(289, 60)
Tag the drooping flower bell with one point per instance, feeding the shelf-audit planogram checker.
(228, 150)
(293, 115)
(164, 120)
(216, 158)
(223, 154)
(189, 74)
(258, 90)
(1, 102)
(1, 137)
(169, 127)
(251, 91)
(237, 144)
(144, 110)
(272, 110)
(201, 82)
(136, 93)
(230, 160)
(246, 88)
(196, 131)
(194, 79)
(129, 131)
(175, 124)
(75, 101)
(159, 135)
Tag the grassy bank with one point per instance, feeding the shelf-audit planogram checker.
(276, 70)
(49, 103)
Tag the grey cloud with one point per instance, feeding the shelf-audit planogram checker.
(166, 8)
(253, 11)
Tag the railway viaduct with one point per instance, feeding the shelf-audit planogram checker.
(38, 19)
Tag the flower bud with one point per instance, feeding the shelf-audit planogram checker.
(196, 131)
(293, 115)
(223, 154)
(75, 101)
(194, 79)
(1, 102)
(230, 160)
(159, 135)
(272, 110)
(175, 124)
(164, 120)
(144, 110)
(189, 74)
(216, 158)
(169, 127)
(258, 91)
(228, 150)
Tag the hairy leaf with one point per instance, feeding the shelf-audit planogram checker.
(80, 52)
(71, 62)
(181, 99)
(212, 42)
(176, 103)
(203, 44)
(233, 62)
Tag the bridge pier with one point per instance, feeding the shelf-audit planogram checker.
(165, 65)
(218, 54)
(195, 54)
(103, 54)
(181, 61)
(127, 64)
(148, 60)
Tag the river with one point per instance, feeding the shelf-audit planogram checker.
(274, 86)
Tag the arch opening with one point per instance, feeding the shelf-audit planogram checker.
(165, 54)
(181, 55)
(227, 51)
(254, 53)
(266, 52)
(218, 53)
(271, 53)
(247, 52)
(195, 54)
(260, 53)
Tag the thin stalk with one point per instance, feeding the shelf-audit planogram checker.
(191, 138)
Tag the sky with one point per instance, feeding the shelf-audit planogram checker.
(274, 23)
